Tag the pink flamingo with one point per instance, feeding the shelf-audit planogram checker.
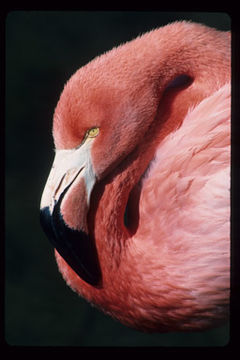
(144, 130)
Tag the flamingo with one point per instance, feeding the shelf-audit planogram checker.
(137, 202)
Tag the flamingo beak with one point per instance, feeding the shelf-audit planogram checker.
(71, 173)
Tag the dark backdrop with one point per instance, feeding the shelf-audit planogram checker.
(43, 49)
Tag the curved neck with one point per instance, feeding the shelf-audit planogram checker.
(206, 69)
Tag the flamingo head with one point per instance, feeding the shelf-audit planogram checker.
(97, 123)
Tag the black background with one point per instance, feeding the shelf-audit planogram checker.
(43, 49)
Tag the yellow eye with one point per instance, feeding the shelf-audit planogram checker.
(93, 132)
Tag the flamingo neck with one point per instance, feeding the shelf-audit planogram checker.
(183, 78)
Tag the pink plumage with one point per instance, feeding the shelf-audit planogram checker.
(146, 127)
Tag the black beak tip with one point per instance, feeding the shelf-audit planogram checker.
(74, 246)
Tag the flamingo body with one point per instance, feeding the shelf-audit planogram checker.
(145, 128)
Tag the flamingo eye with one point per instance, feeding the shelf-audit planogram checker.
(93, 132)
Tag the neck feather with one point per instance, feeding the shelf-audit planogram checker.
(162, 56)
